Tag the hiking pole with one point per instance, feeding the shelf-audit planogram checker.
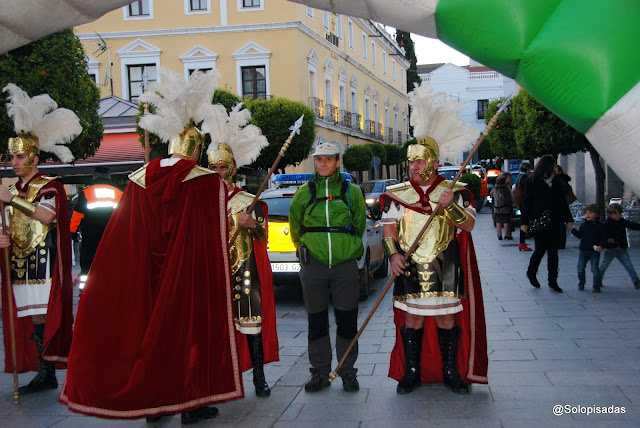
(7, 280)
(295, 129)
(416, 242)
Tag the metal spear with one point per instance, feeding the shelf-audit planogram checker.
(295, 129)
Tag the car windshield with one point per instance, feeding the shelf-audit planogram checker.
(373, 187)
(278, 207)
(448, 173)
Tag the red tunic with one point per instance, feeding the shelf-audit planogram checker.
(269, 332)
(154, 332)
(59, 320)
(473, 361)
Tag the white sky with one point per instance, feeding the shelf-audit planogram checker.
(433, 51)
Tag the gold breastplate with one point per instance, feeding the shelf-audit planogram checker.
(243, 245)
(26, 232)
(438, 235)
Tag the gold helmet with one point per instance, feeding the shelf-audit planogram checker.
(426, 149)
(40, 124)
(222, 153)
(188, 142)
(441, 133)
(27, 144)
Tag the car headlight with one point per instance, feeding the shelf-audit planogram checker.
(370, 201)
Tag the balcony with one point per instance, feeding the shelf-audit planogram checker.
(332, 114)
(345, 118)
(389, 135)
(379, 131)
(369, 127)
(399, 140)
(356, 121)
(333, 39)
(317, 105)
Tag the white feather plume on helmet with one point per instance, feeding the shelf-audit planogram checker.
(245, 141)
(437, 116)
(41, 118)
(178, 103)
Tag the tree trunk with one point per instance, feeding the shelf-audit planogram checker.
(600, 176)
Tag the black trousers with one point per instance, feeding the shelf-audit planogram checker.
(544, 246)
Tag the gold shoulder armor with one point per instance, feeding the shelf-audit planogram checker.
(241, 201)
(459, 185)
(405, 192)
(196, 172)
(37, 184)
(138, 176)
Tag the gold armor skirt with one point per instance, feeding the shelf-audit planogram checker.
(435, 288)
(247, 302)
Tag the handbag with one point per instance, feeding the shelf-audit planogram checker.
(540, 224)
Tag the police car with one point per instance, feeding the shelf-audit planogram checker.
(282, 252)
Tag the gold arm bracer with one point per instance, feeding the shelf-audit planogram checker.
(389, 246)
(26, 207)
(456, 213)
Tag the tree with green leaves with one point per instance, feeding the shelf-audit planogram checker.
(500, 141)
(357, 158)
(404, 40)
(394, 157)
(55, 65)
(274, 117)
(539, 132)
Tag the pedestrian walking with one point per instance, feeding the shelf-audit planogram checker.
(502, 207)
(518, 198)
(591, 234)
(544, 215)
(615, 242)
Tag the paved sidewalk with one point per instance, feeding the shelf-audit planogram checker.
(545, 349)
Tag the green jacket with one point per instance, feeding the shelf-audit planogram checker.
(330, 248)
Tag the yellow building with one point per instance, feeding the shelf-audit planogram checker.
(349, 70)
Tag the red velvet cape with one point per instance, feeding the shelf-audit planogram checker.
(473, 361)
(59, 319)
(269, 332)
(154, 331)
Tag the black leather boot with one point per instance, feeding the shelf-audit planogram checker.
(412, 340)
(448, 339)
(257, 358)
(46, 376)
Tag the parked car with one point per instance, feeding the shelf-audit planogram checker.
(282, 253)
(372, 190)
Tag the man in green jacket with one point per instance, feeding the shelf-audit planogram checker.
(327, 220)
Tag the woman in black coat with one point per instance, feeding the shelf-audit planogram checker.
(544, 193)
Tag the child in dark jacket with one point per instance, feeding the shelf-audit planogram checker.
(591, 234)
(615, 242)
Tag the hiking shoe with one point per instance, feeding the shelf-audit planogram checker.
(596, 290)
(350, 383)
(580, 287)
(317, 382)
(555, 288)
(193, 416)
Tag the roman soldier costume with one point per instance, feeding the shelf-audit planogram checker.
(442, 274)
(40, 253)
(253, 301)
(154, 333)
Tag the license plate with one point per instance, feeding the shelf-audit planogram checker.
(285, 267)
